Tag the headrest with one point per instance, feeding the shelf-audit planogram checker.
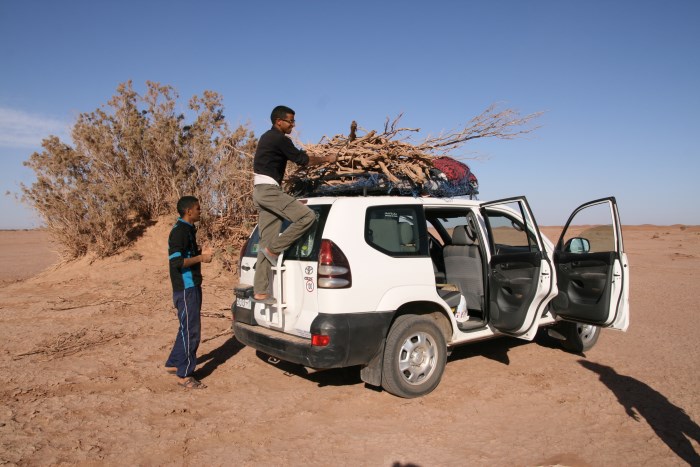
(460, 236)
(406, 233)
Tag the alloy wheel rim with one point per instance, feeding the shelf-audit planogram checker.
(417, 358)
(586, 332)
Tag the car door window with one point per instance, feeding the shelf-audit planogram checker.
(509, 234)
(591, 231)
(306, 247)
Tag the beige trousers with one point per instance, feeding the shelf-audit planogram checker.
(274, 206)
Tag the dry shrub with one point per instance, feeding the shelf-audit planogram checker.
(130, 162)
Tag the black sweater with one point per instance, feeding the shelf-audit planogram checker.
(182, 244)
(273, 152)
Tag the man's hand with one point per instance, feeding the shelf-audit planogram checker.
(207, 254)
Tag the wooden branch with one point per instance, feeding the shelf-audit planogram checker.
(391, 154)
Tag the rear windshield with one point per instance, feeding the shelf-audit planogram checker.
(306, 248)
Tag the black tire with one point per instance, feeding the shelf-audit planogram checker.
(579, 337)
(414, 356)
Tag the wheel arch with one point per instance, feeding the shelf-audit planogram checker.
(426, 307)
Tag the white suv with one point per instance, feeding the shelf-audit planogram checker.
(393, 283)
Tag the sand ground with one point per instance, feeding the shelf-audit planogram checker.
(82, 382)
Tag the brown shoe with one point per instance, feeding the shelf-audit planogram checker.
(191, 383)
(264, 298)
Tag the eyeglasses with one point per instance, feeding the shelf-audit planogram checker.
(291, 122)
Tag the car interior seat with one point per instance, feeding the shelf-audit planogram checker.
(463, 265)
(407, 237)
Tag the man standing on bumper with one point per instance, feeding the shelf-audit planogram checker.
(271, 156)
(186, 277)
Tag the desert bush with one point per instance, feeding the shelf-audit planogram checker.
(129, 163)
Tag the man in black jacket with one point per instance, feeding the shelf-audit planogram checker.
(186, 276)
(271, 156)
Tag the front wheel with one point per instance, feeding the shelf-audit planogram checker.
(414, 356)
(579, 337)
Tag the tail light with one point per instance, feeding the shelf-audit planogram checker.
(320, 340)
(333, 267)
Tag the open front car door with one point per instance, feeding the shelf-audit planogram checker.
(520, 282)
(592, 269)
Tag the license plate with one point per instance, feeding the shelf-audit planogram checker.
(243, 303)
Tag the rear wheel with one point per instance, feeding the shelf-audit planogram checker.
(579, 337)
(414, 356)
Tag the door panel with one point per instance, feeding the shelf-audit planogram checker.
(513, 285)
(592, 269)
(583, 286)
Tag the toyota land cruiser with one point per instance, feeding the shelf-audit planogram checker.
(393, 283)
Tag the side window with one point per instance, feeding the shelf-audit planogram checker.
(251, 249)
(397, 230)
(306, 247)
(590, 231)
(508, 233)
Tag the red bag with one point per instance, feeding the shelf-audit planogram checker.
(455, 171)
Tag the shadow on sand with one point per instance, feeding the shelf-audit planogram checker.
(216, 357)
(331, 377)
(670, 423)
(496, 350)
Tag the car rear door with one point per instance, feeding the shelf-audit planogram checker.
(592, 268)
(293, 284)
(520, 281)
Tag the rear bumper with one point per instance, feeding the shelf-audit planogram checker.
(355, 338)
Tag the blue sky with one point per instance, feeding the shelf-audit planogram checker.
(619, 82)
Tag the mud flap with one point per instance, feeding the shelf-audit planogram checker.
(372, 372)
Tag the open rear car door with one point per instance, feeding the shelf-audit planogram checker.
(592, 269)
(520, 282)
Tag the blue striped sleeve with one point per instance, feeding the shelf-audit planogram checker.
(177, 254)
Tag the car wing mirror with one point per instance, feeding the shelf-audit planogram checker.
(577, 245)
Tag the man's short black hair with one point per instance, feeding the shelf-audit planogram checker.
(281, 112)
(185, 203)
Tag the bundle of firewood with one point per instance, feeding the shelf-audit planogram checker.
(397, 160)
(391, 158)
